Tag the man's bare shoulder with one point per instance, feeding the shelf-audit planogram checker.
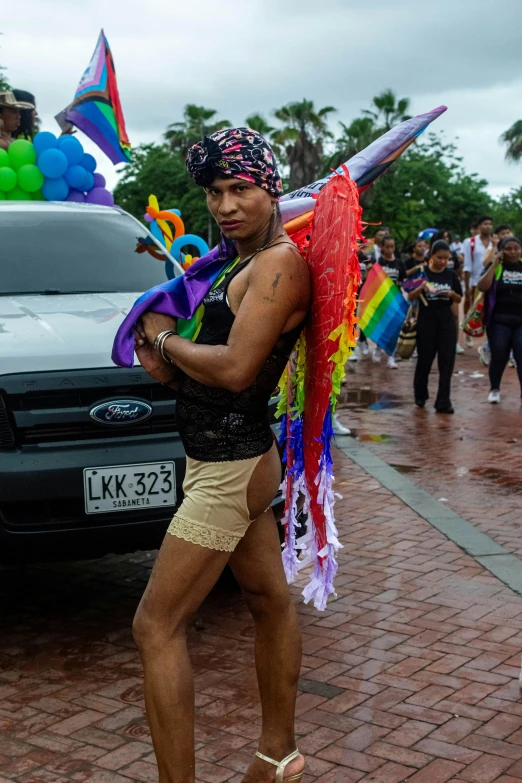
(283, 259)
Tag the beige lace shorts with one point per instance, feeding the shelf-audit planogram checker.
(214, 512)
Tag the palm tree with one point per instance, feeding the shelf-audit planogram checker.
(302, 136)
(258, 123)
(513, 139)
(387, 111)
(197, 122)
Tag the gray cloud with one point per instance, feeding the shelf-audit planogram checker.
(242, 57)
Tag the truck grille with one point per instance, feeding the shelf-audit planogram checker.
(51, 413)
(6, 433)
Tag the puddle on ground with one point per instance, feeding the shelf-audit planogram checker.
(369, 399)
(404, 468)
(502, 478)
(358, 434)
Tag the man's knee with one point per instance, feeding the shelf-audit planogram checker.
(270, 602)
(152, 629)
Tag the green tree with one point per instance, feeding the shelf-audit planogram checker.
(197, 122)
(508, 209)
(387, 111)
(4, 84)
(156, 171)
(427, 187)
(303, 134)
(512, 138)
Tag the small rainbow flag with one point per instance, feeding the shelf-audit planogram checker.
(96, 109)
(382, 309)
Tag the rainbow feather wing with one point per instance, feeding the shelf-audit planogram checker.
(315, 375)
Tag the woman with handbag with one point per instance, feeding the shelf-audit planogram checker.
(436, 328)
(502, 315)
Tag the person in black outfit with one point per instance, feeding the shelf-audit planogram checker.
(436, 329)
(395, 271)
(502, 284)
(417, 259)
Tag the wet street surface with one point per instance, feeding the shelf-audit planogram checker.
(411, 673)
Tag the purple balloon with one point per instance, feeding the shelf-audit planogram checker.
(100, 196)
(148, 218)
(99, 181)
(76, 196)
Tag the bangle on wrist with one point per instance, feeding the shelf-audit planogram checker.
(159, 344)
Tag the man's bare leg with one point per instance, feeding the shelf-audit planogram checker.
(258, 567)
(183, 575)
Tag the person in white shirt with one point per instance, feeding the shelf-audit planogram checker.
(475, 250)
(457, 246)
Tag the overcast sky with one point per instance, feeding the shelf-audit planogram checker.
(239, 57)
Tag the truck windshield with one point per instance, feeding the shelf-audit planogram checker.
(62, 251)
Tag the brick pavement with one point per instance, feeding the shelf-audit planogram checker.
(411, 674)
(473, 459)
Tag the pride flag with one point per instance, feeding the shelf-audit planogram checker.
(96, 109)
(382, 310)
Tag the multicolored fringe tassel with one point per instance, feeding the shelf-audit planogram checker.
(312, 383)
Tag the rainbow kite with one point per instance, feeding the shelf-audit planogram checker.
(383, 309)
(96, 109)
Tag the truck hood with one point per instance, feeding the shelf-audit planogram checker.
(40, 333)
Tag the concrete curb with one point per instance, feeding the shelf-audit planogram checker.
(497, 560)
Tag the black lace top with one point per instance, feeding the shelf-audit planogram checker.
(217, 425)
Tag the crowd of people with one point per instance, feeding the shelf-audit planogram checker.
(482, 271)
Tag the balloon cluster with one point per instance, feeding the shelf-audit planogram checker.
(51, 169)
(159, 221)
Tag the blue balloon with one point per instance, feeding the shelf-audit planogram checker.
(89, 180)
(88, 162)
(53, 163)
(176, 211)
(187, 239)
(156, 232)
(55, 189)
(71, 148)
(76, 177)
(44, 141)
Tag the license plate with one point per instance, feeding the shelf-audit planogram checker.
(124, 487)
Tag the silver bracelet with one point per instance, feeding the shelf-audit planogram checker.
(159, 343)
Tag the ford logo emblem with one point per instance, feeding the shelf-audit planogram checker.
(121, 412)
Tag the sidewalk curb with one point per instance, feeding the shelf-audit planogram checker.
(493, 557)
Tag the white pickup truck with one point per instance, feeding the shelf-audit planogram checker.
(90, 459)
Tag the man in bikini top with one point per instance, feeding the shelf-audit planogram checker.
(224, 379)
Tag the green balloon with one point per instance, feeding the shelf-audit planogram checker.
(7, 179)
(30, 178)
(21, 152)
(38, 196)
(17, 194)
(4, 158)
(2, 196)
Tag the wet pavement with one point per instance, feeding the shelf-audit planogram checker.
(411, 674)
(472, 459)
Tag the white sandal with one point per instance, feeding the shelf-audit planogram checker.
(281, 766)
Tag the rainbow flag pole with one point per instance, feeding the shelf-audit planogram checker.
(382, 310)
(96, 108)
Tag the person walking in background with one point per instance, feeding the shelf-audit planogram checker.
(377, 244)
(395, 270)
(417, 259)
(500, 233)
(436, 328)
(502, 285)
(455, 265)
(457, 247)
(475, 249)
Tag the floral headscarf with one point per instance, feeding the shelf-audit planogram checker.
(235, 152)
